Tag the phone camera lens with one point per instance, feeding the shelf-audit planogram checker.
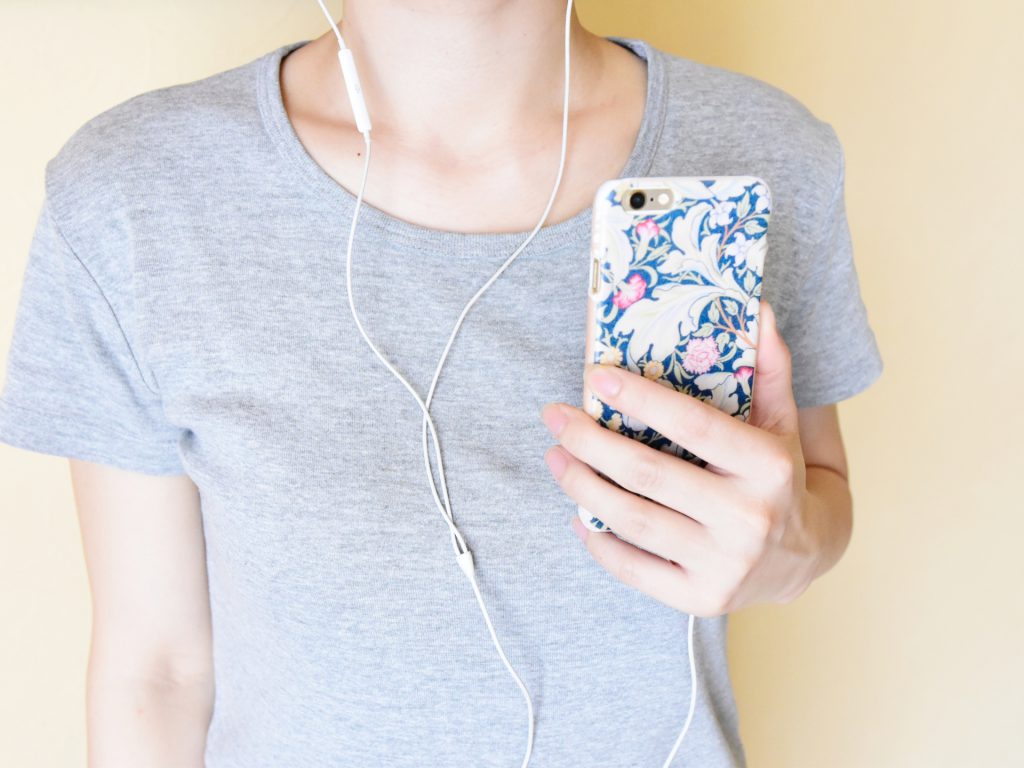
(636, 200)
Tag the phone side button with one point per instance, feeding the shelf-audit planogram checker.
(594, 273)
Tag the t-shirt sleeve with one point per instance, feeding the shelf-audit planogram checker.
(834, 351)
(73, 385)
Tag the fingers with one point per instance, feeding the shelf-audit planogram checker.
(669, 480)
(772, 406)
(656, 577)
(644, 523)
(720, 439)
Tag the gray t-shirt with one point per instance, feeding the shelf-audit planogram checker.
(184, 310)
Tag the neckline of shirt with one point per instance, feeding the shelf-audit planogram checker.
(550, 237)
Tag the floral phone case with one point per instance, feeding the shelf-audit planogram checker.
(674, 294)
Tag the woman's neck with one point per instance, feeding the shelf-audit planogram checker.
(457, 73)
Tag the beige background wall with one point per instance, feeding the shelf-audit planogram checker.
(909, 653)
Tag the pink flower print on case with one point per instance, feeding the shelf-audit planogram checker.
(700, 355)
(648, 229)
(743, 372)
(631, 293)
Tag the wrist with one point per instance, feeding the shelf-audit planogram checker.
(826, 518)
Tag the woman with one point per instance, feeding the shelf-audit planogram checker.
(271, 582)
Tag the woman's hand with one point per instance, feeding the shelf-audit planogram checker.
(717, 538)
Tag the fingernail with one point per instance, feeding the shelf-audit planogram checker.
(554, 419)
(556, 461)
(605, 381)
(579, 529)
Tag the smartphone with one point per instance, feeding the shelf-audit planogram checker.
(674, 292)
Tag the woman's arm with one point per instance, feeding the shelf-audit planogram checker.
(150, 677)
(831, 509)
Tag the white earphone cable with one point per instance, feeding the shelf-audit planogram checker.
(462, 553)
(693, 694)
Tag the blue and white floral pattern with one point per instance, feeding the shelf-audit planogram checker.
(677, 295)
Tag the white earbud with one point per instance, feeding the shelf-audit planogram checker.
(463, 556)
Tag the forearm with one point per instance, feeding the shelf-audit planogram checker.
(135, 720)
(828, 515)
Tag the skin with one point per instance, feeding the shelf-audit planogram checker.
(758, 524)
(466, 101)
(149, 682)
(465, 98)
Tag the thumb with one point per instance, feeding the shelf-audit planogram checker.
(772, 405)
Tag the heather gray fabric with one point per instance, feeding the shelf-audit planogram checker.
(183, 310)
